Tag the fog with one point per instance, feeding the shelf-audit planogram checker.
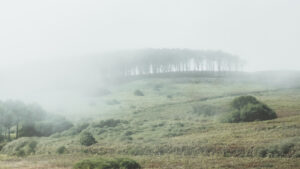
(48, 48)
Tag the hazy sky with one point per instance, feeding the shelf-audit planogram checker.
(264, 32)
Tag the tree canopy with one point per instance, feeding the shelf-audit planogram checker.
(155, 61)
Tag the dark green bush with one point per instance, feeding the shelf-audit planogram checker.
(61, 150)
(247, 109)
(259, 111)
(240, 102)
(138, 93)
(107, 164)
(87, 139)
(126, 163)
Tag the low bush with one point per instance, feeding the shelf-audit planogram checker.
(240, 102)
(20, 153)
(277, 150)
(107, 164)
(138, 93)
(61, 150)
(87, 139)
(247, 109)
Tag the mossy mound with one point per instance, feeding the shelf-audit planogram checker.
(120, 163)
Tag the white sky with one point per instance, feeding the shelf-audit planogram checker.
(264, 32)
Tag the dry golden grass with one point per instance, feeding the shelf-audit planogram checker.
(157, 162)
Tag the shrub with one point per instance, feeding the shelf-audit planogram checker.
(138, 93)
(32, 145)
(20, 153)
(252, 112)
(242, 101)
(107, 164)
(247, 109)
(61, 150)
(128, 163)
(29, 148)
(87, 139)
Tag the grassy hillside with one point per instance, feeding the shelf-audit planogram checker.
(175, 124)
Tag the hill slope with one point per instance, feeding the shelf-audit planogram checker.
(178, 119)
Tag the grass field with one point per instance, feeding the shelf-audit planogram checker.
(162, 129)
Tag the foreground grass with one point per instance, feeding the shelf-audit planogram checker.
(155, 162)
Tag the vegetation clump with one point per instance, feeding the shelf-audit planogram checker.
(138, 93)
(61, 150)
(109, 123)
(20, 147)
(120, 163)
(87, 139)
(278, 150)
(248, 109)
(45, 128)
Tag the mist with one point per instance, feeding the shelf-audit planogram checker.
(48, 48)
(139, 84)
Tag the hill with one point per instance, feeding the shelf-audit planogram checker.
(176, 122)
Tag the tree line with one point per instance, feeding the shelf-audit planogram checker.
(28, 120)
(156, 61)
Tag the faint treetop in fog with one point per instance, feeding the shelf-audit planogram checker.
(155, 61)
